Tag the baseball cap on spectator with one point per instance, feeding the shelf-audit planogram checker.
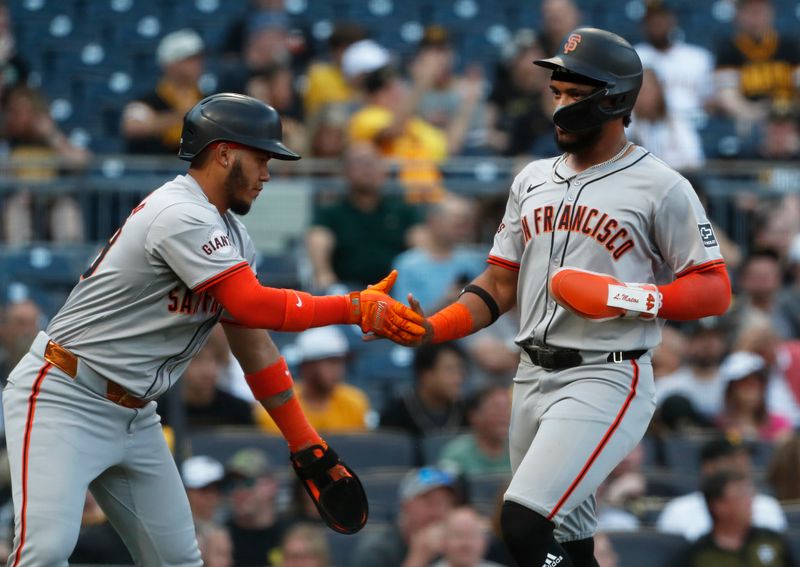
(364, 56)
(201, 471)
(423, 480)
(435, 36)
(320, 343)
(718, 448)
(249, 463)
(179, 45)
(741, 364)
(267, 19)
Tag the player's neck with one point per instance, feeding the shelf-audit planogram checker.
(208, 185)
(607, 148)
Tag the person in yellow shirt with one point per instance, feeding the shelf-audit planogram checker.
(326, 83)
(330, 405)
(389, 117)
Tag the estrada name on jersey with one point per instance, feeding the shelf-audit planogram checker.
(634, 218)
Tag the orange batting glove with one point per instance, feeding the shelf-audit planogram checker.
(375, 312)
(601, 297)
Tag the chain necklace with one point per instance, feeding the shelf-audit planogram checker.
(611, 160)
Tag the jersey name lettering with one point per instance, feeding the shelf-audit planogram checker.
(585, 220)
(182, 300)
(216, 243)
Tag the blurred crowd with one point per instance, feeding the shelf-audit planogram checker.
(730, 384)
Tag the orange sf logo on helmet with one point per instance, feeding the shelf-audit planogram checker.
(572, 42)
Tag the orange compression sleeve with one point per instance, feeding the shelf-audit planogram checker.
(259, 307)
(288, 416)
(701, 293)
(452, 322)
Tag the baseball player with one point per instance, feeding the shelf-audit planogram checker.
(576, 229)
(79, 409)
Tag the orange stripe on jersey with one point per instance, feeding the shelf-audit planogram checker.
(37, 384)
(603, 442)
(701, 267)
(503, 263)
(219, 277)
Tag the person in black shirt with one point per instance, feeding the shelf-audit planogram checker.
(733, 541)
(256, 528)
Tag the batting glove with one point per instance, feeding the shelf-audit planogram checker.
(375, 312)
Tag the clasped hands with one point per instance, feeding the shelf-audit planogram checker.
(380, 315)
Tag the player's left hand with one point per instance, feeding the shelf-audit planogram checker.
(601, 297)
(375, 312)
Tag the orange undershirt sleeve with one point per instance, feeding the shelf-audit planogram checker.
(260, 307)
(701, 293)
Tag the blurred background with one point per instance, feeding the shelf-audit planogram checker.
(413, 117)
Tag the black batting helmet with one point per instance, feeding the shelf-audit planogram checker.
(230, 117)
(610, 63)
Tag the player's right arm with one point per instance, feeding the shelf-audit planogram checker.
(480, 304)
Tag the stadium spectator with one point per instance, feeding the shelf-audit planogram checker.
(300, 509)
(668, 135)
(492, 351)
(692, 396)
(390, 115)
(779, 138)
(686, 68)
(758, 335)
(14, 68)
(326, 83)
(436, 403)
(733, 539)
(304, 545)
(353, 240)
(274, 85)
(327, 132)
(745, 415)
(38, 151)
(783, 470)
(21, 322)
(255, 526)
(756, 65)
(206, 403)
(669, 354)
(604, 551)
(484, 449)
(215, 544)
(688, 516)
(152, 123)
(202, 477)
(519, 103)
(466, 539)
(425, 497)
(454, 104)
(558, 18)
(331, 405)
(437, 269)
(98, 542)
(267, 43)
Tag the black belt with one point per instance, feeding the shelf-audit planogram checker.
(552, 358)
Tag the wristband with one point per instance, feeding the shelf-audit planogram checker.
(271, 380)
(452, 322)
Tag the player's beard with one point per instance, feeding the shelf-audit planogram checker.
(234, 184)
(579, 141)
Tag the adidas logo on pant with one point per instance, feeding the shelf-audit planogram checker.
(552, 560)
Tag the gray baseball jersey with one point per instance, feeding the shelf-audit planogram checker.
(635, 219)
(134, 320)
(140, 313)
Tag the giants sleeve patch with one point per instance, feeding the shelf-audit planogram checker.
(707, 235)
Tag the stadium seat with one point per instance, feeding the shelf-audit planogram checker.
(224, 442)
(647, 548)
(381, 489)
(432, 446)
(792, 511)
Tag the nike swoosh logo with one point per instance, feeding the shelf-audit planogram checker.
(532, 187)
(299, 301)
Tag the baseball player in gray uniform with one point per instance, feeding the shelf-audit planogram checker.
(575, 230)
(79, 409)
